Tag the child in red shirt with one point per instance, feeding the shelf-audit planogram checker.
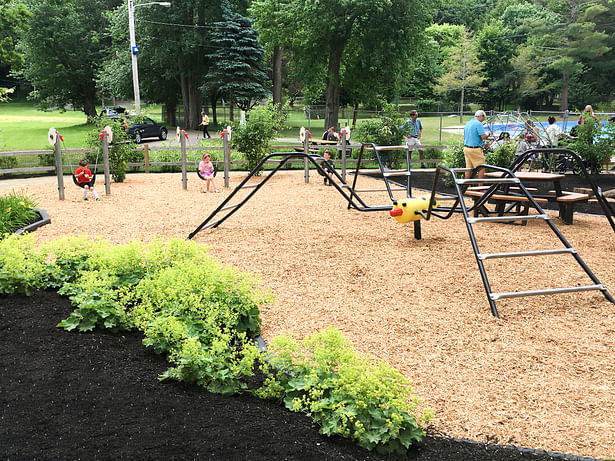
(85, 179)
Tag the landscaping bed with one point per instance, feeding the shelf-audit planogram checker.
(542, 376)
(97, 396)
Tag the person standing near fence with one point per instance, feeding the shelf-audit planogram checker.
(414, 127)
(205, 125)
(473, 136)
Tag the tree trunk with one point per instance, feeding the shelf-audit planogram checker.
(192, 99)
(355, 114)
(461, 105)
(277, 75)
(231, 105)
(89, 105)
(214, 108)
(564, 103)
(333, 87)
(170, 113)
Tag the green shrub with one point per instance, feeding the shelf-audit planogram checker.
(344, 393)
(22, 269)
(121, 148)
(8, 163)
(254, 137)
(383, 131)
(503, 156)
(17, 210)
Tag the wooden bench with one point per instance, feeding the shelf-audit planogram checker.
(567, 201)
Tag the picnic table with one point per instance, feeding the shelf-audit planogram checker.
(512, 198)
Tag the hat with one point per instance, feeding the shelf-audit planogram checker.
(528, 136)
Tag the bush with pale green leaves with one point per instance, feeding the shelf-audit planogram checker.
(203, 317)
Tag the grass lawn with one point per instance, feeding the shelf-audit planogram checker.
(23, 127)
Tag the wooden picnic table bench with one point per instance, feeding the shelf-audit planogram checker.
(566, 200)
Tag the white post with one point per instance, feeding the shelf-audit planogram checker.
(105, 148)
(57, 150)
(133, 45)
(227, 159)
(182, 142)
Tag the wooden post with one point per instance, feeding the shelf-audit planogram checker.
(182, 142)
(146, 157)
(58, 153)
(306, 151)
(105, 148)
(227, 159)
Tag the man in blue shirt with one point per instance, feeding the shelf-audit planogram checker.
(473, 136)
(415, 130)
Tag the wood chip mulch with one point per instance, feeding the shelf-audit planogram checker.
(543, 376)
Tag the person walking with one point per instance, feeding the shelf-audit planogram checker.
(205, 125)
(473, 136)
(414, 127)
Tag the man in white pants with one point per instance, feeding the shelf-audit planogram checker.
(415, 130)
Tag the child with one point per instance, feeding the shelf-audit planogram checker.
(325, 165)
(205, 125)
(86, 180)
(206, 170)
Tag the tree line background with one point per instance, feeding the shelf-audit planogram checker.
(527, 54)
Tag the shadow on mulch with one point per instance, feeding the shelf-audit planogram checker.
(424, 180)
(96, 396)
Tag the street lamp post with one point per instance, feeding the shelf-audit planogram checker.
(134, 50)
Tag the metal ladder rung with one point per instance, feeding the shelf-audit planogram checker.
(394, 173)
(508, 218)
(514, 294)
(380, 190)
(250, 186)
(526, 253)
(213, 223)
(228, 207)
(488, 181)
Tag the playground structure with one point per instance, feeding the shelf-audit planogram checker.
(413, 209)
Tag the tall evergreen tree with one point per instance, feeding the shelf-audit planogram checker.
(237, 70)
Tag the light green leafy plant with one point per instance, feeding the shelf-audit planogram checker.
(344, 393)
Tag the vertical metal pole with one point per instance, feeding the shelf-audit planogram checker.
(565, 119)
(227, 159)
(146, 157)
(133, 44)
(440, 129)
(306, 151)
(57, 150)
(182, 142)
(344, 144)
(105, 149)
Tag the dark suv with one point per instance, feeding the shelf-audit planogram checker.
(140, 128)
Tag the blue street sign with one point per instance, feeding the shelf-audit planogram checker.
(135, 50)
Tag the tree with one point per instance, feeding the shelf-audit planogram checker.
(13, 19)
(62, 48)
(271, 22)
(570, 43)
(237, 64)
(463, 74)
(495, 50)
(343, 41)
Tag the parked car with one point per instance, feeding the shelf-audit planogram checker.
(112, 112)
(139, 128)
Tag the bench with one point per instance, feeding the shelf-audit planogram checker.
(567, 202)
(520, 203)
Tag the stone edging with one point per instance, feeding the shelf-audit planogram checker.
(30, 227)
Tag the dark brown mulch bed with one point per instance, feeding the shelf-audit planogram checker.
(424, 180)
(96, 396)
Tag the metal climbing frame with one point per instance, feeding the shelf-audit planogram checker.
(226, 209)
(498, 186)
(579, 166)
(386, 173)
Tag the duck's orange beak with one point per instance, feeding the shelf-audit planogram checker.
(396, 212)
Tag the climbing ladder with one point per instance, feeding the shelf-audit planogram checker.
(226, 209)
(501, 187)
